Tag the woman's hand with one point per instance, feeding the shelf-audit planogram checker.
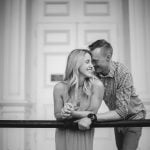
(66, 111)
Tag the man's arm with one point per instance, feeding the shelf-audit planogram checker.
(110, 115)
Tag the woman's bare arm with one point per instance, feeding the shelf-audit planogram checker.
(59, 111)
(97, 96)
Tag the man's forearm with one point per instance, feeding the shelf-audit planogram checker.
(110, 115)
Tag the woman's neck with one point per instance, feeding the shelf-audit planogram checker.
(81, 81)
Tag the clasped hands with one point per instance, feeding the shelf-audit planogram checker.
(66, 113)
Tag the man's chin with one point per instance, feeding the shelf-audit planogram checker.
(98, 70)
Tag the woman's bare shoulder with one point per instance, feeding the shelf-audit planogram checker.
(60, 86)
(97, 87)
(97, 83)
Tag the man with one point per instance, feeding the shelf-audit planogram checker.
(119, 96)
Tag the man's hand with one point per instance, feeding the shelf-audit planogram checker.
(84, 123)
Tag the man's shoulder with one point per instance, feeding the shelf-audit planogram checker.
(120, 67)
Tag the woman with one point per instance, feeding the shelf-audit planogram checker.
(79, 95)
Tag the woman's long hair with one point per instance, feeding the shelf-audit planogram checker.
(74, 61)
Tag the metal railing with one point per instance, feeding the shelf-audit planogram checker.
(71, 124)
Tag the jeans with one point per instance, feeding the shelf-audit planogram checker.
(127, 138)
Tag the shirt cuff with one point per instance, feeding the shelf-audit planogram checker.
(122, 112)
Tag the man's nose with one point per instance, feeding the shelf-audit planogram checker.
(93, 63)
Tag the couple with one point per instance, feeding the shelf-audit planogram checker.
(91, 76)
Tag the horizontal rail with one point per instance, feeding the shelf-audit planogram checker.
(70, 124)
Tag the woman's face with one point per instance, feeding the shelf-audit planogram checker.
(86, 68)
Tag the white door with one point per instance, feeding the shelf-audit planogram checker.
(61, 26)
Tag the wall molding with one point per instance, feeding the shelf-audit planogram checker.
(15, 103)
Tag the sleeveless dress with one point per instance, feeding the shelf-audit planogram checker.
(69, 139)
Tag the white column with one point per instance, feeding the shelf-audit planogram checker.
(13, 104)
(14, 50)
(139, 11)
(139, 49)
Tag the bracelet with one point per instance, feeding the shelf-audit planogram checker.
(93, 117)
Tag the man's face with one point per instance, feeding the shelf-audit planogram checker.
(100, 62)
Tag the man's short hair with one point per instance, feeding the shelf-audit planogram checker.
(101, 44)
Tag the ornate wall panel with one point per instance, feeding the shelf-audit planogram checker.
(56, 8)
(96, 8)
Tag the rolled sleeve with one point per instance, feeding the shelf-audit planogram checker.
(123, 95)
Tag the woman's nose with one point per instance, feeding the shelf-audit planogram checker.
(91, 66)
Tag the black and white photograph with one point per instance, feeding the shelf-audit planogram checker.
(74, 74)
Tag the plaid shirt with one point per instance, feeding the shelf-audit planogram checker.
(120, 94)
